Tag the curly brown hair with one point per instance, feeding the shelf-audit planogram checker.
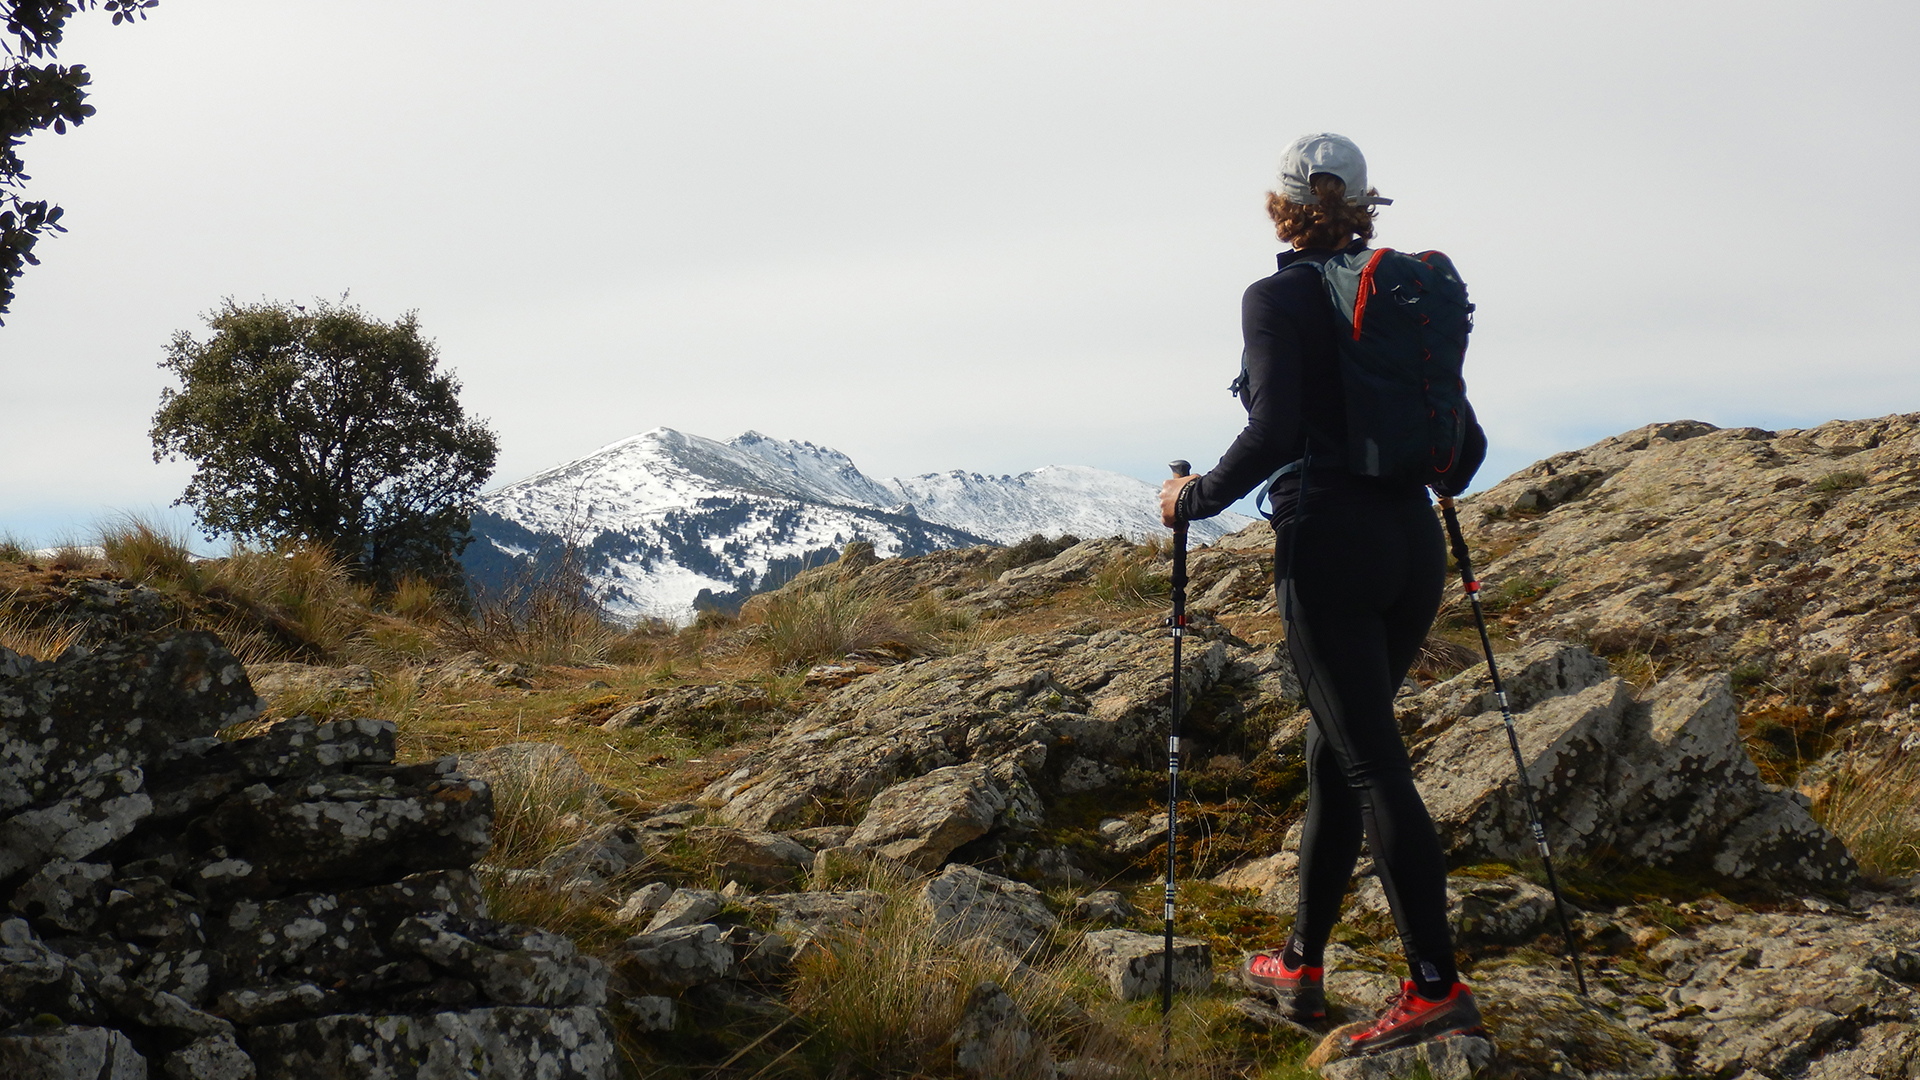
(1328, 224)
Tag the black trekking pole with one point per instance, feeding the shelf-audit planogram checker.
(1178, 623)
(1459, 542)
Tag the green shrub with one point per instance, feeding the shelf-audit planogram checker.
(1845, 480)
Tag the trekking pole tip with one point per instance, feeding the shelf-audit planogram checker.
(1180, 467)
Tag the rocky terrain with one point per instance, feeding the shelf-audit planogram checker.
(932, 848)
(289, 901)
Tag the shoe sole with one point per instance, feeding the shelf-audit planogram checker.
(1468, 1032)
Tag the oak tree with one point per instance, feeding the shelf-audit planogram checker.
(34, 97)
(318, 423)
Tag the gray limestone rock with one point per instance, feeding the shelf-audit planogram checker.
(1133, 964)
(1105, 905)
(1660, 780)
(276, 1003)
(212, 1057)
(70, 1053)
(651, 1012)
(524, 765)
(1461, 1057)
(148, 909)
(98, 811)
(691, 707)
(642, 902)
(64, 895)
(360, 827)
(994, 1038)
(764, 859)
(998, 709)
(300, 747)
(921, 821)
(678, 958)
(36, 980)
(503, 1043)
(685, 907)
(811, 912)
(334, 938)
(965, 902)
(113, 708)
(512, 965)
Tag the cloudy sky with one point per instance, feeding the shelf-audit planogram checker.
(981, 235)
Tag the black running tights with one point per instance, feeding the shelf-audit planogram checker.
(1366, 569)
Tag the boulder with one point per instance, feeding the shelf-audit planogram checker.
(812, 912)
(764, 859)
(1133, 965)
(513, 965)
(998, 710)
(642, 902)
(964, 902)
(70, 1053)
(1660, 778)
(104, 713)
(691, 708)
(360, 827)
(1104, 905)
(650, 1012)
(678, 958)
(994, 1038)
(1460, 1057)
(211, 1057)
(503, 1043)
(539, 766)
(684, 907)
(921, 821)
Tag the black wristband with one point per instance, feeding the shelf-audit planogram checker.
(1183, 502)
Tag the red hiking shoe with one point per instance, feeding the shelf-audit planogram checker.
(1413, 1019)
(1299, 990)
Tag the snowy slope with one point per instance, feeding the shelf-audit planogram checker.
(665, 522)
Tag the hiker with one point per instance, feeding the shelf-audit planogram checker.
(1359, 564)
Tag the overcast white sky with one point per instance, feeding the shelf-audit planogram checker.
(980, 235)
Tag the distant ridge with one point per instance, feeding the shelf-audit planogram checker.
(666, 522)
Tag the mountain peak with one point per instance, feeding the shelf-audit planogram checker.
(666, 521)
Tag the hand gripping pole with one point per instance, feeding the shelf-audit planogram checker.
(1459, 544)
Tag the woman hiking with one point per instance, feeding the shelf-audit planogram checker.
(1359, 565)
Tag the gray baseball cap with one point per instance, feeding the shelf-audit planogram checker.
(1325, 152)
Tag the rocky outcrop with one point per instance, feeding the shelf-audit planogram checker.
(1657, 779)
(1782, 557)
(926, 758)
(291, 902)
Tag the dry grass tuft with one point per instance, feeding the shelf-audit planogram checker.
(1875, 810)
(33, 641)
(884, 1001)
(150, 554)
(1135, 579)
(545, 615)
(799, 628)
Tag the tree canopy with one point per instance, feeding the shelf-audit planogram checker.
(35, 97)
(318, 423)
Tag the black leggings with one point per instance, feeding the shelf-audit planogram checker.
(1367, 568)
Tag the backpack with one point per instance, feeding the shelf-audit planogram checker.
(1407, 411)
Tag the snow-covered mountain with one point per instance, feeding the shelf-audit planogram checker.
(666, 522)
